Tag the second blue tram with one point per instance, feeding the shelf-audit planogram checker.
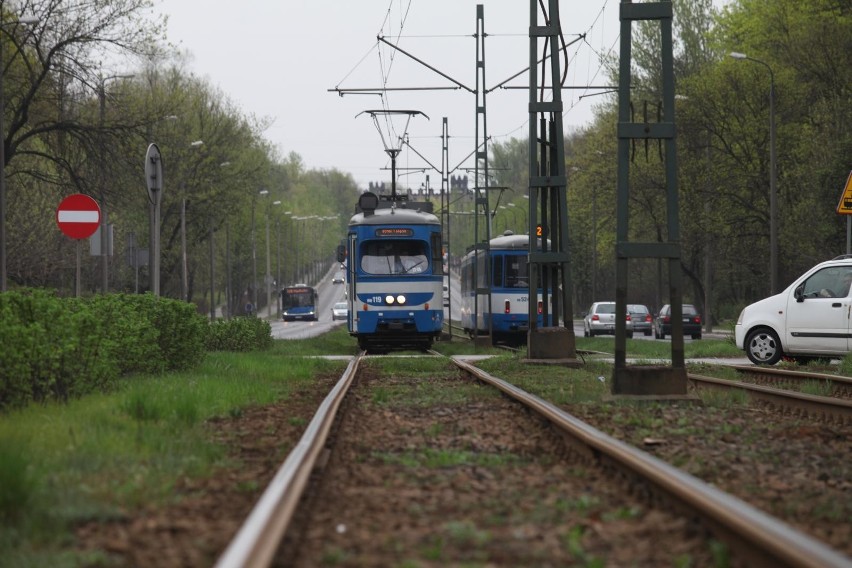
(394, 276)
(505, 270)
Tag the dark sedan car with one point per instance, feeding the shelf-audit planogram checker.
(691, 322)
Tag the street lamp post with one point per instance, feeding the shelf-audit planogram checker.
(184, 273)
(212, 270)
(3, 278)
(254, 252)
(278, 261)
(269, 264)
(104, 229)
(773, 180)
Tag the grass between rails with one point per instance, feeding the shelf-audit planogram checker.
(443, 449)
(102, 455)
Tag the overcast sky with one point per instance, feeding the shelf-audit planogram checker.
(278, 58)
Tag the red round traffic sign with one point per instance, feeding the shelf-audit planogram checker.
(78, 216)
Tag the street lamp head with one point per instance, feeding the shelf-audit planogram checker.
(28, 20)
(263, 192)
(738, 55)
(197, 143)
(276, 202)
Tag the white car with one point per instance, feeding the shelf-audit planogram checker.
(600, 319)
(810, 319)
(340, 310)
(338, 278)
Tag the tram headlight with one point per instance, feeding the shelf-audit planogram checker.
(400, 299)
(389, 299)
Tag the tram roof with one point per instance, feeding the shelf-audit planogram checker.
(511, 242)
(508, 242)
(394, 216)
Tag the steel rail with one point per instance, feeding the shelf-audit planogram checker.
(758, 537)
(836, 408)
(258, 539)
(838, 382)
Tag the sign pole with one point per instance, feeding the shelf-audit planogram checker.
(77, 283)
(154, 180)
(844, 207)
(78, 216)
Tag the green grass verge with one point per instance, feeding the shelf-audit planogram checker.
(644, 349)
(100, 455)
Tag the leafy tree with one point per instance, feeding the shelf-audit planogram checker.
(53, 79)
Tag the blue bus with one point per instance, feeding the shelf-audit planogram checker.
(299, 302)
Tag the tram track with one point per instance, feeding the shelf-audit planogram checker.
(758, 538)
(816, 407)
(258, 538)
(838, 386)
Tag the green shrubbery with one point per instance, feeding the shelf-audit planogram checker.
(54, 348)
(239, 334)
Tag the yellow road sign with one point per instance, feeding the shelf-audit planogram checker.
(845, 205)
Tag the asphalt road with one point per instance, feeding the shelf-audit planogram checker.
(330, 293)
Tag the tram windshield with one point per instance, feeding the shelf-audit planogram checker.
(394, 257)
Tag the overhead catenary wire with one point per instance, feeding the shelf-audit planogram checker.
(396, 20)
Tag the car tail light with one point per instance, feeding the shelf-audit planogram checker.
(666, 319)
(697, 319)
(595, 318)
(628, 318)
(539, 307)
(648, 318)
(507, 308)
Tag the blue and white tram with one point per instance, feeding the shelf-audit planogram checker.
(508, 270)
(394, 276)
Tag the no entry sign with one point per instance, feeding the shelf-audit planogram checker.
(78, 216)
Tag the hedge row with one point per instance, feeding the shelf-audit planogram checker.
(54, 348)
(239, 334)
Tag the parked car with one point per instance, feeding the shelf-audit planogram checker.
(691, 322)
(446, 295)
(339, 311)
(338, 278)
(600, 319)
(641, 317)
(808, 320)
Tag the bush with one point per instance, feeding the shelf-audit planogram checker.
(131, 339)
(55, 348)
(239, 334)
(150, 334)
(182, 333)
(52, 349)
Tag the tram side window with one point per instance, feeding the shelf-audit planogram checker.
(394, 257)
(481, 271)
(517, 272)
(467, 277)
(437, 254)
(497, 271)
